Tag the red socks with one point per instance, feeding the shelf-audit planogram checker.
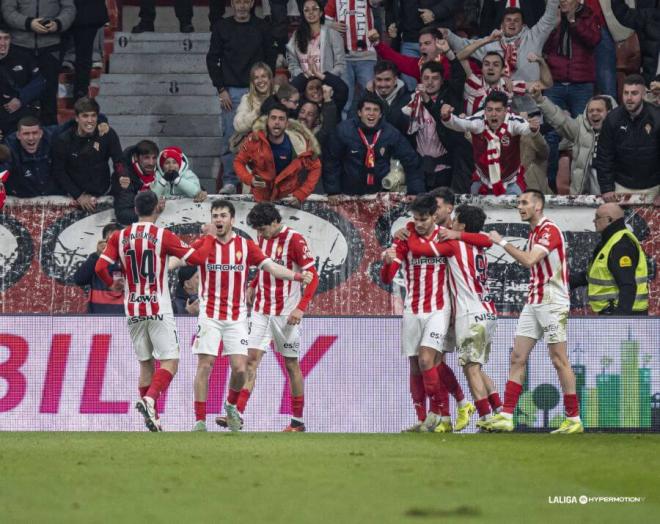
(159, 383)
(512, 392)
(232, 396)
(449, 380)
(200, 410)
(495, 401)
(443, 399)
(297, 404)
(143, 390)
(418, 396)
(483, 407)
(243, 398)
(571, 405)
(436, 391)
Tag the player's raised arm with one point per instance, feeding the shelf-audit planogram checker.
(474, 239)
(525, 258)
(257, 258)
(195, 255)
(108, 257)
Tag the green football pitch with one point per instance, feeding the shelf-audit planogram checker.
(333, 478)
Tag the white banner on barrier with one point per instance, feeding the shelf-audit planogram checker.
(80, 374)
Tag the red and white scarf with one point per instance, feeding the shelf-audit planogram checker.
(370, 157)
(359, 20)
(510, 56)
(493, 155)
(146, 178)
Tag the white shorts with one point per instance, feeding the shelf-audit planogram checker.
(474, 335)
(450, 340)
(426, 329)
(232, 333)
(154, 337)
(265, 329)
(548, 321)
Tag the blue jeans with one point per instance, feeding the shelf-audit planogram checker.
(360, 71)
(227, 120)
(410, 49)
(570, 97)
(606, 64)
(511, 189)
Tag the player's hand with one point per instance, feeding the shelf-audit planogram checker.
(192, 307)
(374, 37)
(308, 276)
(495, 237)
(401, 234)
(392, 31)
(103, 128)
(100, 247)
(445, 111)
(117, 284)
(389, 255)
(86, 202)
(426, 15)
(249, 296)
(201, 196)
(13, 105)
(295, 317)
(124, 182)
(610, 196)
(209, 229)
(225, 101)
(448, 234)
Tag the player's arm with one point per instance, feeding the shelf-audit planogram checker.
(108, 257)
(392, 260)
(304, 259)
(194, 255)
(430, 248)
(525, 258)
(256, 257)
(474, 239)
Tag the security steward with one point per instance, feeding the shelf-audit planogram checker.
(617, 277)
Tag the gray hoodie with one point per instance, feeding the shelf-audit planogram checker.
(583, 137)
(532, 40)
(19, 14)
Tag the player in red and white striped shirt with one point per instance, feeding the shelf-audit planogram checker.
(474, 310)
(545, 314)
(223, 309)
(279, 306)
(142, 250)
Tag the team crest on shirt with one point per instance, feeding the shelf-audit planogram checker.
(97, 146)
(279, 251)
(506, 141)
(648, 128)
(239, 255)
(545, 239)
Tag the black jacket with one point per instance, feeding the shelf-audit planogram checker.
(343, 160)
(646, 22)
(623, 276)
(102, 301)
(235, 47)
(19, 78)
(124, 199)
(405, 14)
(393, 112)
(80, 164)
(629, 150)
(91, 13)
(492, 13)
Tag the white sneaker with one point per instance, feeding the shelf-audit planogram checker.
(200, 425)
(145, 407)
(234, 420)
(431, 422)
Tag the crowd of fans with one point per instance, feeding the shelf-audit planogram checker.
(484, 96)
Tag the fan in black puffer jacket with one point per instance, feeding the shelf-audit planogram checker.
(90, 16)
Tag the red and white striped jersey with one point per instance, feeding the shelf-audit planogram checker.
(359, 20)
(142, 250)
(224, 276)
(275, 296)
(549, 277)
(426, 277)
(476, 90)
(468, 279)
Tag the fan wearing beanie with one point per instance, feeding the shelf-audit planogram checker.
(174, 176)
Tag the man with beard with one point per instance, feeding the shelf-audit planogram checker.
(279, 161)
(393, 92)
(629, 146)
(583, 132)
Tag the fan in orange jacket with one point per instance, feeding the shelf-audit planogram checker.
(279, 158)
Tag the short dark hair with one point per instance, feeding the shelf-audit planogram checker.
(434, 67)
(634, 80)
(445, 193)
(110, 228)
(386, 65)
(430, 30)
(146, 203)
(86, 105)
(4, 28)
(472, 217)
(263, 214)
(278, 106)
(28, 121)
(370, 98)
(497, 96)
(221, 202)
(602, 98)
(514, 11)
(146, 147)
(537, 194)
(495, 53)
(424, 204)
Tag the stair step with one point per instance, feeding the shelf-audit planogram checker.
(191, 146)
(159, 86)
(144, 78)
(166, 125)
(158, 105)
(198, 36)
(180, 44)
(156, 63)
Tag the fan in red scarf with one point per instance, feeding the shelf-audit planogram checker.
(495, 145)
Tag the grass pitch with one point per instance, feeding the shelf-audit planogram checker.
(333, 478)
